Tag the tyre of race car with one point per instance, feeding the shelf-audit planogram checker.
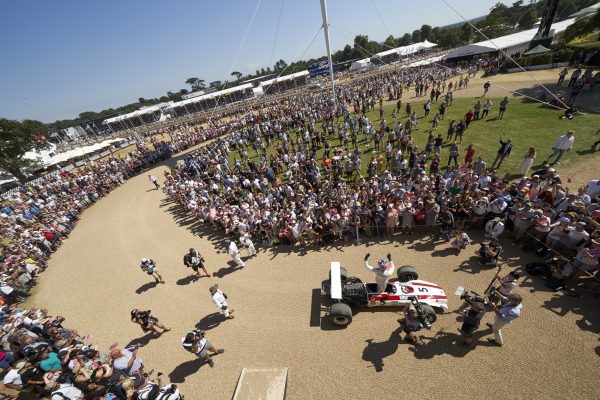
(340, 314)
(407, 273)
(429, 312)
(343, 274)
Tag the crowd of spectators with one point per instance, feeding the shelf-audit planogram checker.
(38, 354)
(278, 191)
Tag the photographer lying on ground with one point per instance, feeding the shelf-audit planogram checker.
(148, 322)
(195, 342)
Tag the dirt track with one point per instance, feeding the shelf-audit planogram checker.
(94, 281)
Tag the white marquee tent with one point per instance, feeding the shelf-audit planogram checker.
(511, 44)
(587, 10)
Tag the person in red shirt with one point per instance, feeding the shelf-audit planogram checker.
(468, 117)
(469, 155)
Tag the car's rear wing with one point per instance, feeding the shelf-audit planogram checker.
(335, 289)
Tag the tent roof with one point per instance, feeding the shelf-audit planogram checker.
(587, 10)
(539, 49)
(404, 50)
(136, 113)
(285, 78)
(504, 42)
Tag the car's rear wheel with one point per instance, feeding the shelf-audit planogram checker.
(429, 313)
(340, 314)
(407, 273)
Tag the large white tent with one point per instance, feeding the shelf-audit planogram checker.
(511, 44)
(587, 10)
(407, 50)
(284, 78)
(137, 113)
(360, 64)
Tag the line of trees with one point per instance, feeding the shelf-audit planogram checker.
(501, 20)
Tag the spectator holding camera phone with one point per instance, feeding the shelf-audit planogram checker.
(220, 300)
(194, 260)
(195, 342)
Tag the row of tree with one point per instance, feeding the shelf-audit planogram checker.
(501, 20)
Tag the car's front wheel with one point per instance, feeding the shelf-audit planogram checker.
(340, 314)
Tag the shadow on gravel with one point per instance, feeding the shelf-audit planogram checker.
(187, 280)
(224, 271)
(448, 343)
(186, 369)
(375, 352)
(142, 341)
(210, 321)
(145, 287)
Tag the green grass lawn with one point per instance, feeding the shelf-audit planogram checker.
(527, 123)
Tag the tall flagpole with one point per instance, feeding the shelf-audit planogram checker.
(326, 32)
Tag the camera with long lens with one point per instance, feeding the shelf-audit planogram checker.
(473, 297)
(421, 315)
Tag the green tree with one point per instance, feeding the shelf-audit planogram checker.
(405, 40)
(215, 84)
(416, 36)
(16, 139)
(529, 18)
(193, 82)
(435, 34)
(449, 37)
(389, 42)
(237, 74)
(425, 32)
(566, 8)
(200, 85)
(466, 33)
(280, 66)
(142, 100)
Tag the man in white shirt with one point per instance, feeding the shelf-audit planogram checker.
(220, 300)
(494, 228)
(127, 361)
(561, 145)
(154, 181)
(234, 252)
(66, 391)
(383, 271)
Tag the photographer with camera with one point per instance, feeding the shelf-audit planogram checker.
(220, 300)
(194, 260)
(383, 271)
(149, 266)
(489, 252)
(507, 283)
(195, 342)
(506, 313)
(148, 322)
(472, 317)
(414, 320)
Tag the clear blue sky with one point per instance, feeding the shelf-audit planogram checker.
(63, 57)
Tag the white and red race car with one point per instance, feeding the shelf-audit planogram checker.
(348, 292)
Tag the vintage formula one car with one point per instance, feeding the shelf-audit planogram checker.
(348, 292)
